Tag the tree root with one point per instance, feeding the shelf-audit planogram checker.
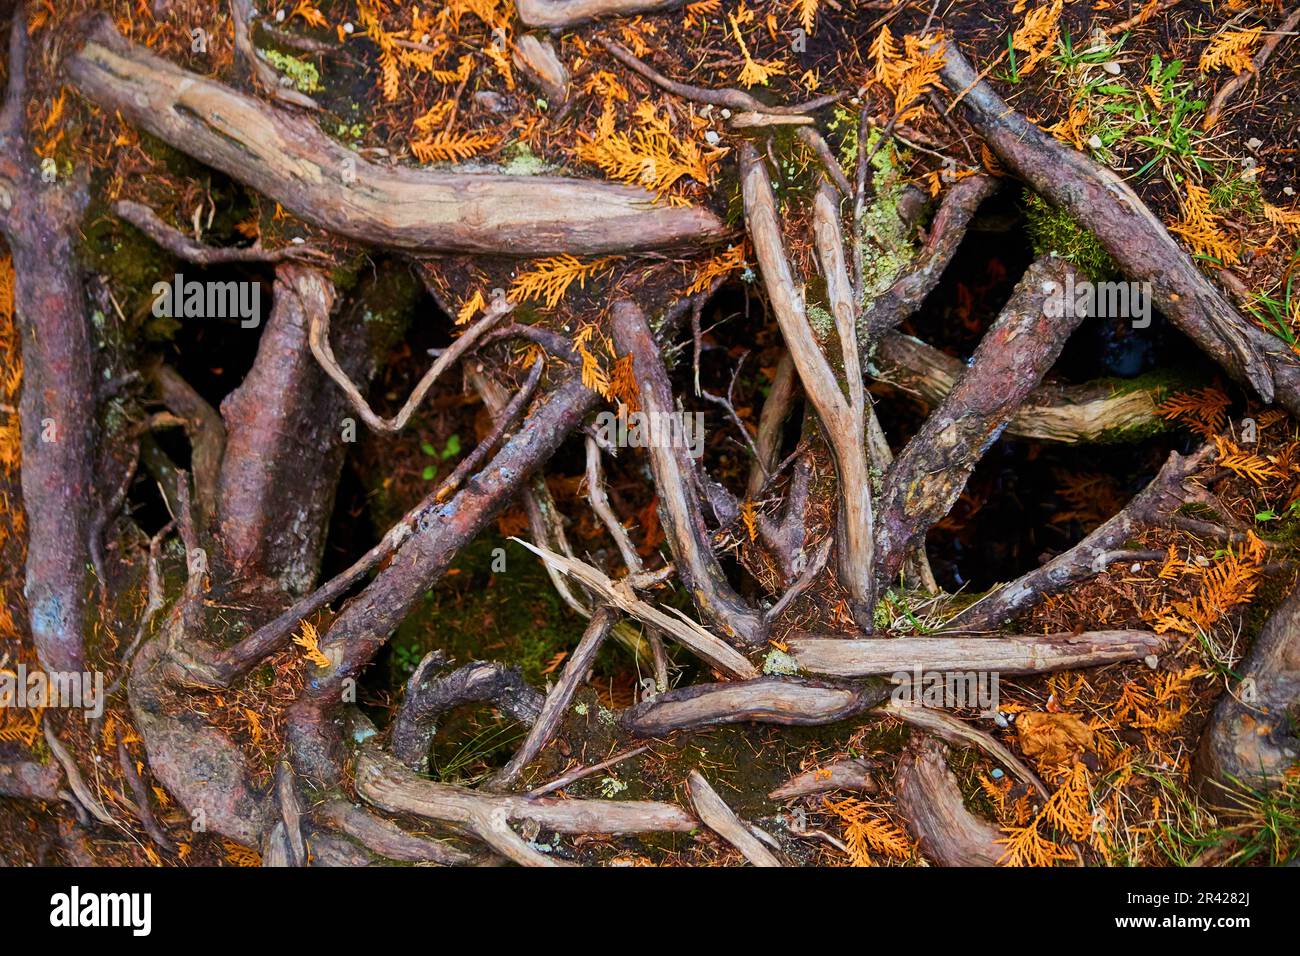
(722, 820)
(287, 158)
(1004, 654)
(428, 698)
(1132, 234)
(767, 700)
(1158, 500)
(1251, 739)
(925, 480)
(931, 803)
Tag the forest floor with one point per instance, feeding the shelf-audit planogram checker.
(430, 84)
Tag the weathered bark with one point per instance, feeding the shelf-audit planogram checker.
(206, 433)
(287, 158)
(931, 803)
(388, 839)
(1004, 654)
(1252, 740)
(27, 780)
(1166, 493)
(284, 444)
(56, 410)
(1067, 414)
(764, 700)
(385, 783)
(1132, 234)
(674, 478)
(925, 480)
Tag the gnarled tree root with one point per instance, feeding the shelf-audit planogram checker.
(931, 803)
(287, 158)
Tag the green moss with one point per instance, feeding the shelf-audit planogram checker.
(1055, 230)
(305, 76)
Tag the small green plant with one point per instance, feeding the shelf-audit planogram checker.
(450, 450)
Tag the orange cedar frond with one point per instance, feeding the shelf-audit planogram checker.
(309, 641)
(887, 60)
(308, 13)
(473, 305)
(807, 10)
(720, 265)
(1257, 469)
(754, 73)
(623, 386)
(240, 855)
(1231, 50)
(1204, 410)
(1200, 226)
(865, 829)
(750, 519)
(452, 147)
(551, 278)
(1037, 35)
(1027, 847)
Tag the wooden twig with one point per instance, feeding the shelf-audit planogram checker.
(786, 701)
(722, 820)
(320, 347)
(732, 99)
(181, 246)
(714, 651)
(1004, 654)
(575, 672)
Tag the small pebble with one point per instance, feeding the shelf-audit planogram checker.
(1254, 143)
(1095, 141)
(726, 113)
(1151, 661)
(1137, 566)
(279, 16)
(1000, 719)
(711, 137)
(1288, 190)
(298, 240)
(348, 28)
(1111, 67)
(996, 773)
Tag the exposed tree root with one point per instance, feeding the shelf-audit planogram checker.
(289, 159)
(1005, 654)
(928, 798)
(1132, 234)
